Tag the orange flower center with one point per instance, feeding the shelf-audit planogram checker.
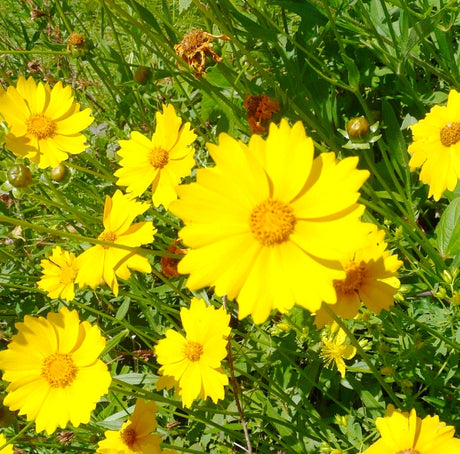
(193, 351)
(59, 370)
(271, 222)
(450, 134)
(107, 236)
(158, 157)
(41, 126)
(128, 436)
(409, 451)
(353, 280)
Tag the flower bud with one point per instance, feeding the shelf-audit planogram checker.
(142, 75)
(19, 175)
(357, 127)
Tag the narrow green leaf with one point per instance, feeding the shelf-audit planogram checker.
(448, 230)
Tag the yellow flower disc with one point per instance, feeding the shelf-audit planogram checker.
(128, 436)
(353, 281)
(193, 351)
(158, 158)
(41, 126)
(108, 236)
(59, 370)
(409, 451)
(450, 134)
(271, 222)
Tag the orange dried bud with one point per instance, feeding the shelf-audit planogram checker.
(194, 48)
(260, 109)
(77, 44)
(169, 264)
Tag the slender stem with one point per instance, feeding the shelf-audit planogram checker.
(236, 387)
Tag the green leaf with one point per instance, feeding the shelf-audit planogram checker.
(184, 4)
(123, 309)
(448, 230)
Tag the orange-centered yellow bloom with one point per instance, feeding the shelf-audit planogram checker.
(160, 162)
(54, 372)
(135, 436)
(406, 433)
(59, 273)
(370, 278)
(436, 147)
(106, 262)
(44, 123)
(268, 224)
(194, 361)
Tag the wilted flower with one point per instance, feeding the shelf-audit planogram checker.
(260, 109)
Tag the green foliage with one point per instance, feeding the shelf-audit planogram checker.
(324, 62)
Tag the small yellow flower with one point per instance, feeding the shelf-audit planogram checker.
(44, 123)
(406, 433)
(105, 262)
(160, 162)
(135, 435)
(267, 224)
(436, 147)
(8, 449)
(194, 361)
(370, 278)
(335, 350)
(59, 273)
(54, 372)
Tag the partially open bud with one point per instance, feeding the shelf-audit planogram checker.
(78, 45)
(357, 127)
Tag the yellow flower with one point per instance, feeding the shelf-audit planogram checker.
(370, 278)
(7, 449)
(54, 372)
(160, 162)
(105, 262)
(436, 147)
(335, 350)
(59, 273)
(135, 435)
(44, 123)
(406, 433)
(268, 223)
(194, 360)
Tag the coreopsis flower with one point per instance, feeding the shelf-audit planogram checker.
(194, 361)
(44, 123)
(436, 147)
(8, 449)
(194, 48)
(135, 435)
(370, 278)
(268, 223)
(59, 273)
(54, 372)
(335, 350)
(406, 433)
(260, 109)
(105, 263)
(160, 162)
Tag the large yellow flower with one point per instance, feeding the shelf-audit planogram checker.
(135, 436)
(268, 223)
(54, 372)
(406, 433)
(8, 449)
(44, 123)
(371, 279)
(160, 162)
(194, 360)
(436, 147)
(105, 262)
(59, 273)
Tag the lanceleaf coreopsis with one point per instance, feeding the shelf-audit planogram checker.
(44, 123)
(269, 222)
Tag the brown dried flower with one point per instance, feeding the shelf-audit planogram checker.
(169, 264)
(194, 48)
(260, 109)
